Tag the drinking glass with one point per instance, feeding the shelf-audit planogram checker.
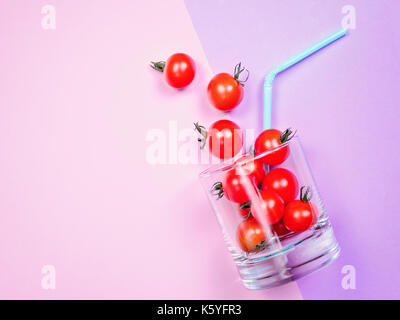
(284, 255)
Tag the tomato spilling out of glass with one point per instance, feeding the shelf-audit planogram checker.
(266, 202)
(179, 70)
(225, 92)
(268, 206)
(225, 138)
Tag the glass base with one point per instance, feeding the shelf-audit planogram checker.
(311, 251)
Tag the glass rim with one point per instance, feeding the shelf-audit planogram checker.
(228, 164)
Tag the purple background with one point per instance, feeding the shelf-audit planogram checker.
(344, 102)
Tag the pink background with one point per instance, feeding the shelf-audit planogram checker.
(76, 191)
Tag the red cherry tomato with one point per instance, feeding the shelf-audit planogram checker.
(225, 139)
(280, 229)
(283, 182)
(225, 92)
(271, 139)
(179, 70)
(269, 206)
(250, 235)
(241, 182)
(244, 209)
(238, 188)
(300, 214)
(248, 166)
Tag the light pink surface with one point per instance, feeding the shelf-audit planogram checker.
(76, 191)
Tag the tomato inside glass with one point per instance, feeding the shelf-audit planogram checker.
(249, 235)
(271, 140)
(283, 182)
(248, 165)
(238, 188)
(268, 207)
(301, 214)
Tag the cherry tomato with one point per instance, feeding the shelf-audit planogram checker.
(225, 138)
(244, 210)
(300, 214)
(269, 206)
(283, 182)
(247, 165)
(280, 228)
(179, 70)
(241, 181)
(238, 188)
(269, 140)
(250, 235)
(225, 92)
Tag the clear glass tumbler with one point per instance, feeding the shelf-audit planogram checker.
(280, 255)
